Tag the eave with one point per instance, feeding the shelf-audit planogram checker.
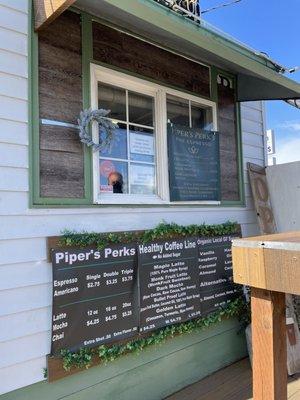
(257, 76)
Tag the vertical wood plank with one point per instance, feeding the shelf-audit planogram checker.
(261, 197)
(60, 99)
(269, 345)
(227, 126)
(123, 51)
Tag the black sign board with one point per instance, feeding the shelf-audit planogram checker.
(94, 297)
(215, 271)
(194, 164)
(104, 296)
(168, 283)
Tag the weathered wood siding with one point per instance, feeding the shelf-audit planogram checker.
(227, 126)
(25, 276)
(120, 50)
(60, 99)
(115, 48)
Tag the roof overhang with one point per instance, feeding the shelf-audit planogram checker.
(258, 78)
(46, 11)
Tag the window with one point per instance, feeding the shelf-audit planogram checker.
(188, 113)
(128, 166)
(135, 169)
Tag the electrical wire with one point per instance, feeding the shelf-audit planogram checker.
(220, 6)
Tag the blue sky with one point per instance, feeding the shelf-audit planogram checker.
(271, 26)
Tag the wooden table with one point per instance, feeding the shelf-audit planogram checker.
(270, 265)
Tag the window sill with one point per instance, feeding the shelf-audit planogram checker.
(128, 200)
(70, 203)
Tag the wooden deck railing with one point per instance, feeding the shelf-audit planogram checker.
(270, 265)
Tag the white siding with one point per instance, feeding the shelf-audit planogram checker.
(25, 276)
(13, 19)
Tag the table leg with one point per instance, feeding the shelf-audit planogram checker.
(269, 345)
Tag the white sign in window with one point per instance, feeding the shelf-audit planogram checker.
(142, 179)
(141, 143)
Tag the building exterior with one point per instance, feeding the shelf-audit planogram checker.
(137, 58)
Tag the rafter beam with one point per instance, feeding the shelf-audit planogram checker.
(46, 11)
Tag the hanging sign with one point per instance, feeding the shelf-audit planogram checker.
(194, 164)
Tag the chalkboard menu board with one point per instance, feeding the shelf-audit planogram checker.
(215, 271)
(169, 283)
(194, 164)
(94, 298)
(108, 295)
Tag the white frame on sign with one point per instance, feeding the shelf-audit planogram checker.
(159, 93)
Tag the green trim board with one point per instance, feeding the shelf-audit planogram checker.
(242, 200)
(87, 54)
(173, 365)
(36, 201)
(33, 105)
(30, 102)
(55, 205)
(34, 155)
(239, 132)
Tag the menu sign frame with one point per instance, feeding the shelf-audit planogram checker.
(194, 164)
(126, 290)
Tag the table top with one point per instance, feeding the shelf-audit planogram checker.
(280, 241)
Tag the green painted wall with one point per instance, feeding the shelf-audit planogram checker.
(150, 375)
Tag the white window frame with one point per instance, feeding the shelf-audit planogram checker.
(159, 92)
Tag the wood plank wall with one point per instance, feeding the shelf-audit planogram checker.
(227, 126)
(128, 53)
(60, 99)
(120, 50)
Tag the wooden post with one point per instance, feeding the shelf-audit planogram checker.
(270, 265)
(269, 345)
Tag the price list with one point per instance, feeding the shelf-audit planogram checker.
(108, 295)
(94, 296)
(169, 283)
(215, 271)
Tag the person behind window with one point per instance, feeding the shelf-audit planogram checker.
(115, 179)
